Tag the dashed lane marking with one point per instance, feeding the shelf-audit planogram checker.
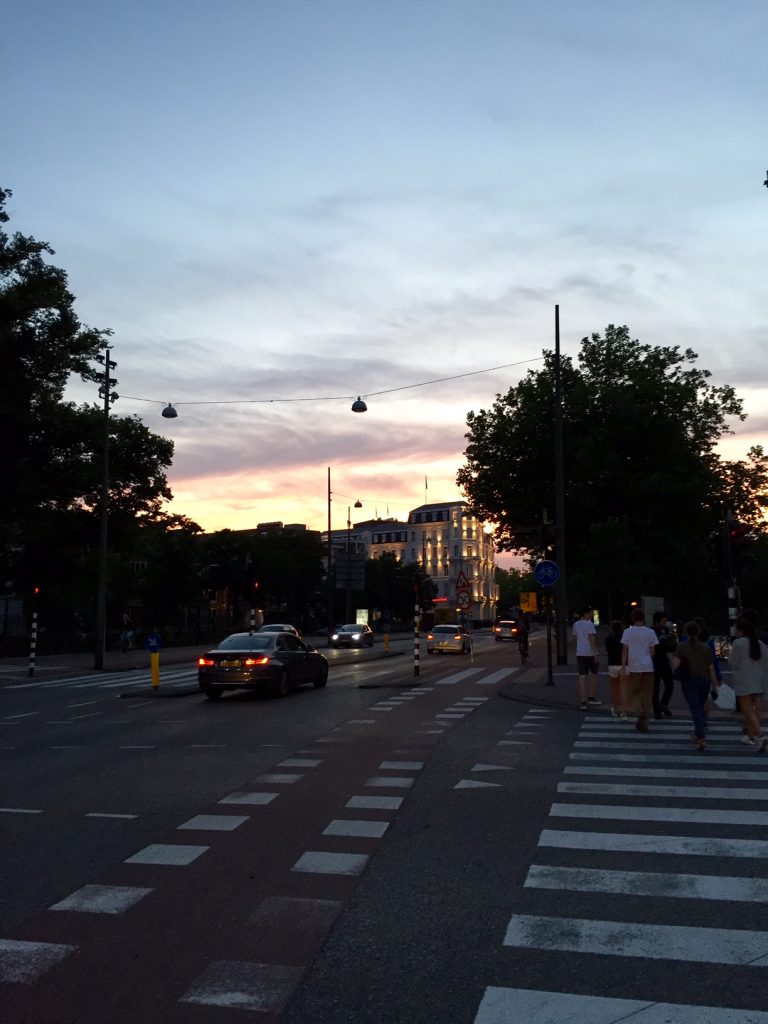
(684, 846)
(102, 899)
(393, 782)
(322, 863)
(474, 784)
(403, 766)
(214, 822)
(108, 814)
(684, 815)
(238, 984)
(254, 799)
(167, 853)
(300, 762)
(273, 777)
(375, 803)
(695, 792)
(358, 828)
(19, 810)
(25, 962)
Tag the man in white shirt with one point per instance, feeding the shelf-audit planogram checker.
(586, 657)
(638, 646)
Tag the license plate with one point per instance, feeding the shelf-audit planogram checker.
(230, 664)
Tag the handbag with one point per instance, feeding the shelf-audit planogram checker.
(683, 671)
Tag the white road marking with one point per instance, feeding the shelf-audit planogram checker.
(23, 963)
(214, 822)
(138, 746)
(649, 883)
(68, 746)
(495, 677)
(358, 828)
(665, 773)
(392, 782)
(692, 757)
(361, 721)
(167, 853)
(375, 803)
(278, 777)
(19, 810)
(458, 676)
(474, 784)
(322, 863)
(491, 768)
(102, 899)
(82, 704)
(513, 743)
(677, 845)
(504, 1005)
(686, 815)
(401, 766)
(88, 714)
(25, 714)
(256, 799)
(105, 814)
(300, 762)
(695, 792)
(206, 746)
(650, 941)
(598, 739)
(237, 984)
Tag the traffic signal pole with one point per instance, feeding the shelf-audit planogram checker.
(561, 600)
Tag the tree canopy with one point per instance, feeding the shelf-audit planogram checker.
(644, 483)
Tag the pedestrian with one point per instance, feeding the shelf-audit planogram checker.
(694, 667)
(662, 669)
(705, 638)
(616, 671)
(749, 661)
(586, 658)
(638, 646)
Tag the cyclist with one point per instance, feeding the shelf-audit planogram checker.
(522, 638)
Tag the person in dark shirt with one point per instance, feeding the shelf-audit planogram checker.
(662, 670)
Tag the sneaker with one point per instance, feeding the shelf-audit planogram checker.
(748, 741)
(614, 713)
(594, 701)
(583, 706)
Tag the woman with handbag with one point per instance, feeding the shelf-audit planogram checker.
(749, 661)
(695, 670)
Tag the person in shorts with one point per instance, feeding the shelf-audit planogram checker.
(616, 672)
(639, 644)
(586, 658)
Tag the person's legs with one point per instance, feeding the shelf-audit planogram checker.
(748, 705)
(693, 691)
(646, 695)
(623, 694)
(582, 688)
(640, 699)
(656, 692)
(665, 675)
(593, 682)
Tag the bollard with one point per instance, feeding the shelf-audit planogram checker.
(154, 665)
(32, 646)
(416, 624)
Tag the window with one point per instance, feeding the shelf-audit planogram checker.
(455, 550)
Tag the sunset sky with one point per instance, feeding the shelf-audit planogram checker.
(315, 199)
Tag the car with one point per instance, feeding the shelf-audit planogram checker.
(274, 663)
(448, 638)
(508, 629)
(354, 634)
(278, 627)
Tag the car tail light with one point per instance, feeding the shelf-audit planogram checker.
(430, 636)
(205, 662)
(256, 661)
(457, 636)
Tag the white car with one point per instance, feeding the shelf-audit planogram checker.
(448, 638)
(278, 627)
(353, 634)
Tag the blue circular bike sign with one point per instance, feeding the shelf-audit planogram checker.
(547, 573)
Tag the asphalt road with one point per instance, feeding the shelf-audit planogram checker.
(424, 852)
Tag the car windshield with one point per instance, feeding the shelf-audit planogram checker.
(247, 642)
(351, 627)
(445, 629)
(513, 622)
(276, 627)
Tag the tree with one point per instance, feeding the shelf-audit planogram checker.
(392, 587)
(51, 455)
(644, 484)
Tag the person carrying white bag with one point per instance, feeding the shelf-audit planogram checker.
(749, 661)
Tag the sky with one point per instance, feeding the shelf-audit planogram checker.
(279, 205)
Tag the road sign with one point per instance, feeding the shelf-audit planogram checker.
(547, 573)
(463, 599)
(462, 583)
(529, 601)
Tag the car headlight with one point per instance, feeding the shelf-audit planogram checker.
(356, 636)
(335, 636)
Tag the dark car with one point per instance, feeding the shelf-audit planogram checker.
(508, 629)
(275, 663)
(354, 634)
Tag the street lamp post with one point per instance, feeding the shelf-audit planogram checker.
(358, 504)
(106, 393)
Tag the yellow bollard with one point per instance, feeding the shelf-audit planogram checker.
(386, 641)
(154, 664)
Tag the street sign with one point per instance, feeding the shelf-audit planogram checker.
(547, 573)
(529, 601)
(462, 583)
(463, 599)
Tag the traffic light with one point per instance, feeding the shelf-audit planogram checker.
(715, 552)
(739, 543)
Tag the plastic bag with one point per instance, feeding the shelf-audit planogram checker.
(726, 697)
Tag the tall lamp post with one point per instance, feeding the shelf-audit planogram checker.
(561, 600)
(108, 395)
(358, 504)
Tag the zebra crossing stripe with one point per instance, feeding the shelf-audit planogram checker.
(695, 792)
(458, 676)
(686, 815)
(648, 883)
(503, 1005)
(597, 738)
(750, 775)
(495, 677)
(650, 941)
(686, 846)
(693, 757)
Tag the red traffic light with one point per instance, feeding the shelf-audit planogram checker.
(36, 590)
(738, 531)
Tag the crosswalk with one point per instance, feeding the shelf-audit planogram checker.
(111, 680)
(654, 852)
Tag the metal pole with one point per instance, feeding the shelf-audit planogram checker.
(548, 599)
(33, 646)
(101, 586)
(329, 577)
(561, 601)
(253, 620)
(349, 543)
(416, 625)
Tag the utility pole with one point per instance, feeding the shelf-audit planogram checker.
(561, 600)
(329, 577)
(108, 395)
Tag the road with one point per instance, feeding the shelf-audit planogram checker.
(423, 852)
